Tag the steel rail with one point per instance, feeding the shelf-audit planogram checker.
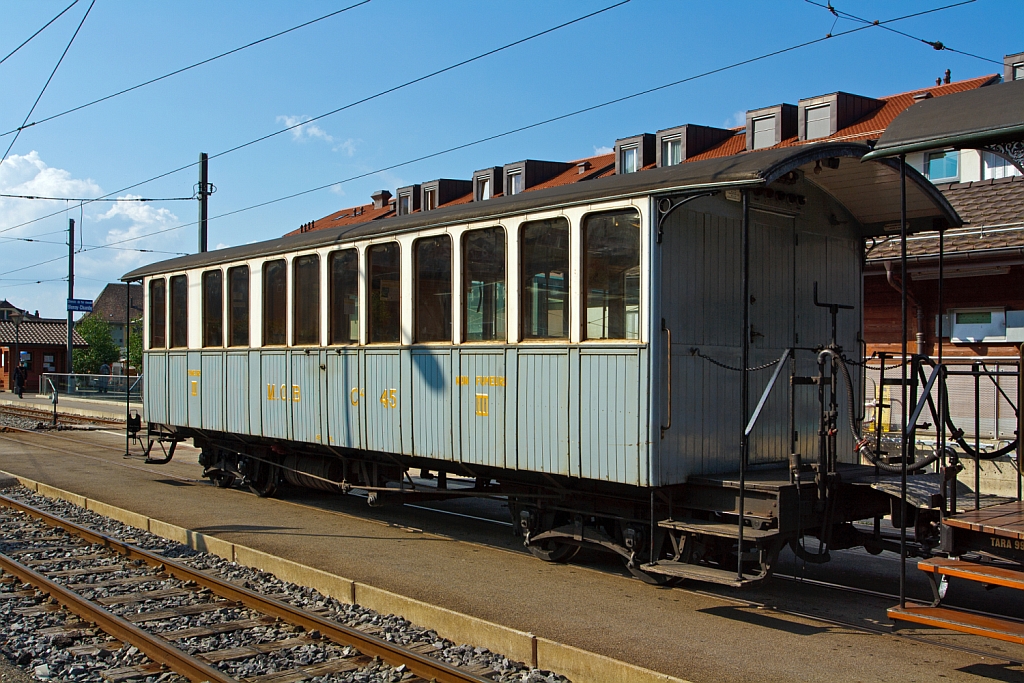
(154, 647)
(420, 665)
(33, 412)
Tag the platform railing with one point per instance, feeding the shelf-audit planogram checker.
(112, 388)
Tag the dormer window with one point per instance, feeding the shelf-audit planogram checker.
(429, 199)
(486, 183)
(435, 193)
(672, 150)
(817, 122)
(1013, 67)
(629, 159)
(632, 154)
(514, 181)
(764, 132)
(408, 200)
(769, 126)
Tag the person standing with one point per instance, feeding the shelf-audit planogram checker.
(104, 378)
(20, 375)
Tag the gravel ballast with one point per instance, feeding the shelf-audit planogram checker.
(40, 656)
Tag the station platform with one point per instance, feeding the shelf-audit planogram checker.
(82, 407)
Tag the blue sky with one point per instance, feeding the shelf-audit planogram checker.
(642, 44)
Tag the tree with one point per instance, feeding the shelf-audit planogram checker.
(102, 348)
(135, 345)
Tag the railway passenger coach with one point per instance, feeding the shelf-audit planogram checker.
(579, 349)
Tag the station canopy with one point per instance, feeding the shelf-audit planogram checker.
(870, 192)
(989, 118)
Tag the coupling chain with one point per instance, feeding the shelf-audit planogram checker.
(696, 352)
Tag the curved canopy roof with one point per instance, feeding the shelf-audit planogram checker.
(869, 191)
(976, 118)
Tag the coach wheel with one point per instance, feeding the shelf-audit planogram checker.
(223, 480)
(263, 481)
(553, 551)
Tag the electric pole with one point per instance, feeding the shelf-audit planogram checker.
(71, 289)
(204, 186)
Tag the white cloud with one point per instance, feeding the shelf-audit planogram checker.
(348, 147)
(306, 131)
(737, 119)
(336, 189)
(29, 175)
(602, 150)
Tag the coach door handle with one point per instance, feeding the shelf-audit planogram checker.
(668, 334)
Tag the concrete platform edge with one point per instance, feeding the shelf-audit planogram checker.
(577, 664)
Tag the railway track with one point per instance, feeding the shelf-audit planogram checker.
(878, 629)
(176, 615)
(46, 417)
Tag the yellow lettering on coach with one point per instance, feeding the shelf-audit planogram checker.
(296, 394)
(271, 392)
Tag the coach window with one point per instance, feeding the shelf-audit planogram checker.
(158, 314)
(179, 311)
(433, 289)
(611, 275)
(385, 312)
(483, 285)
(306, 300)
(275, 302)
(544, 288)
(238, 308)
(213, 308)
(344, 296)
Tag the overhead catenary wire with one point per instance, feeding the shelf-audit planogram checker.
(52, 73)
(90, 247)
(513, 131)
(181, 70)
(934, 44)
(363, 100)
(102, 199)
(547, 121)
(29, 39)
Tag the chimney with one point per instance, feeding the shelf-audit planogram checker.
(938, 81)
(380, 198)
(947, 77)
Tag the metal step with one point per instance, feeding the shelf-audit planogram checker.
(699, 572)
(700, 526)
(962, 622)
(988, 574)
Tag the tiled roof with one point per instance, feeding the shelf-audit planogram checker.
(993, 213)
(32, 333)
(869, 127)
(110, 304)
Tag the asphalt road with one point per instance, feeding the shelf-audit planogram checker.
(697, 632)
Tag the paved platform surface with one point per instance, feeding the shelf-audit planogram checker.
(697, 632)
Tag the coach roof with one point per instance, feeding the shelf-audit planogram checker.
(869, 191)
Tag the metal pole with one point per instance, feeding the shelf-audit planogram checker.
(976, 369)
(71, 291)
(745, 385)
(941, 427)
(903, 369)
(17, 350)
(204, 168)
(127, 362)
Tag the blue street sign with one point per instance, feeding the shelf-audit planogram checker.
(80, 305)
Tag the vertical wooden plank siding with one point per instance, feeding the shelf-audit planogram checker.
(482, 407)
(236, 389)
(303, 397)
(155, 369)
(257, 391)
(194, 393)
(344, 399)
(609, 415)
(177, 388)
(431, 404)
(383, 415)
(274, 370)
(212, 386)
(543, 430)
